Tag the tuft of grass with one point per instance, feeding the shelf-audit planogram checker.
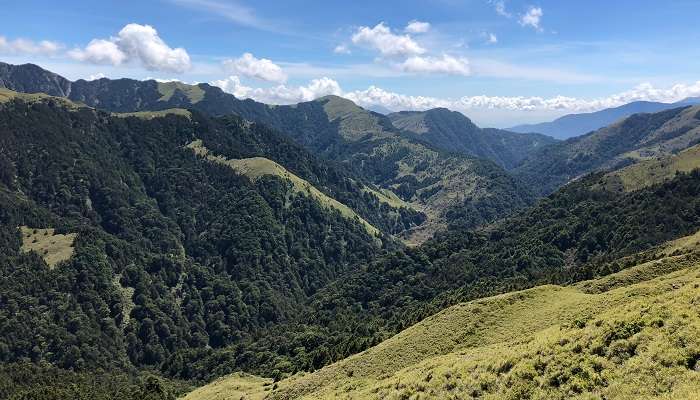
(193, 92)
(256, 167)
(52, 247)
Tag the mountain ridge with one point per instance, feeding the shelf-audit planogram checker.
(573, 125)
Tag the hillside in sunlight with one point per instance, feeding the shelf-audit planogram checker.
(633, 334)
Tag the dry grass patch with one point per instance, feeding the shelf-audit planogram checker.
(155, 114)
(236, 386)
(193, 92)
(52, 247)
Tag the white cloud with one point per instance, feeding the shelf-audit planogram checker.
(135, 43)
(444, 65)
(341, 49)
(492, 39)
(387, 43)
(532, 18)
(26, 46)
(100, 51)
(96, 76)
(500, 7)
(258, 68)
(281, 94)
(417, 27)
(376, 96)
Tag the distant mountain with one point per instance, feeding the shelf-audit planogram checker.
(380, 109)
(452, 131)
(635, 138)
(577, 124)
(445, 186)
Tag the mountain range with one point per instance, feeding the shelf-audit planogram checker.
(421, 171)
(161, 240)
(572, 125)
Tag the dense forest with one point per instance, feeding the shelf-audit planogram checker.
(208, 257)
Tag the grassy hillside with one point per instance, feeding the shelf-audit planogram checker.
(653, 171)
(549, 342)
(155, 114)
(636, 138)
(257, 167)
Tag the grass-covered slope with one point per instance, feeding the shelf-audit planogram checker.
(637, 339)
(635, 138)
(258, 167)
(653, 171)
(452, 131)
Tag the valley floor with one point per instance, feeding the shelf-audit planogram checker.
(630, 335)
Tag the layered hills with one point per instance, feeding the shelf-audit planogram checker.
(445, 186)
(158, 236)
(635, 138)
(578, 124)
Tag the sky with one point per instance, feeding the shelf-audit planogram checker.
(500, 62)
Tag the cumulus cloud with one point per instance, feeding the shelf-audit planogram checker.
(376, 96)
(381, 38)
(26, 46)
(492, 39)
(341, 49)
(258, 68)
(100, 51)
(281, 94)
(444, 65)
(135, 43)
(532, 18)
(417, 27)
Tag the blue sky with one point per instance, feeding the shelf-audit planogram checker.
(499, 62)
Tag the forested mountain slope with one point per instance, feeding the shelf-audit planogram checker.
(638, 137)
(121, 248)
(578, 233)
(452, 131)
(463, 190)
